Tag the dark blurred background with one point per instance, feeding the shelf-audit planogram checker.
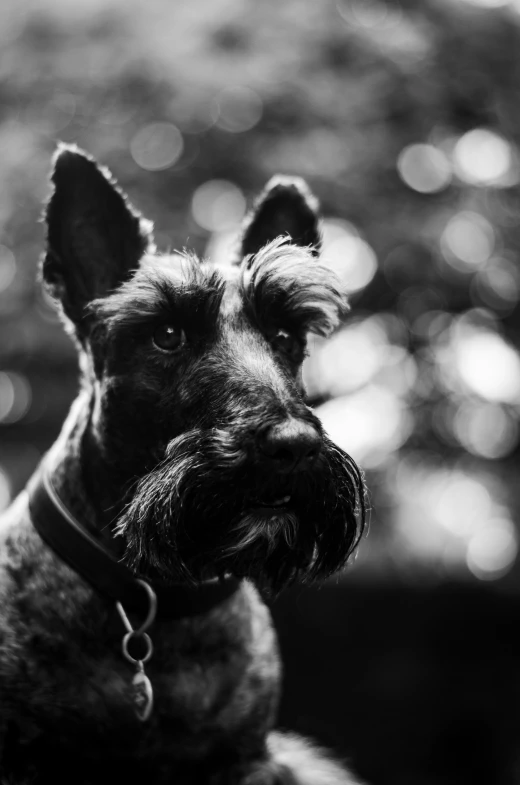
(404, 116)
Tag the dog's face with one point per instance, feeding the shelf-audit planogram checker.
(195, 373)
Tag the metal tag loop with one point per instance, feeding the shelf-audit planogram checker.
(141, 688)
(144, 637)
(152, 609)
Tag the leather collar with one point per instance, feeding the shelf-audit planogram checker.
(88, 557)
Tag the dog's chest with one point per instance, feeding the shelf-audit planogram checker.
(61, 664)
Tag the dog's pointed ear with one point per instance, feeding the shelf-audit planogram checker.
(286, 207)
(95, 239)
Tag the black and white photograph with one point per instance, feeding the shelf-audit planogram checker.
(259, 392)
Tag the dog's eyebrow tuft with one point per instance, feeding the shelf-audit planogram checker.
(184, 289)
(285, 284)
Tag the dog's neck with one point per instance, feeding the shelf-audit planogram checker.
(81, 476)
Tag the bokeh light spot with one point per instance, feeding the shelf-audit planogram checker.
(489, 366)
(238, 108)
(498, 284)
(492, 551)
(362, 352)
(461, 501)
(424, 168)
(218, 205)
(485, 429)
(348, 360)
(453, 518)
(482, 157)
(352, 258)
(15, 396)
(370, 424)
(468, 241)
(157, 146)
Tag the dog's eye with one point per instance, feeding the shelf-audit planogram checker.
(168, 338)
(289, 344)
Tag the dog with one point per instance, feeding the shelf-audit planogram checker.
(190, 478)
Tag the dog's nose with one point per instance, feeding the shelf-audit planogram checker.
(289, 445)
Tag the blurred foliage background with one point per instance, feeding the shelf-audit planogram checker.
(404, 117)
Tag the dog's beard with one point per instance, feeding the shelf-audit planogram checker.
(202, 513)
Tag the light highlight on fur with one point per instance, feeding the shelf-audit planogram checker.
(307, 763)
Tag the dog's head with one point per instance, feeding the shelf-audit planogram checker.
(195, 379)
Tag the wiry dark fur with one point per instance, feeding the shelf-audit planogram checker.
(191, 505)
(165, 458)
(189, 501)
(154, 293)
(283, 284)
